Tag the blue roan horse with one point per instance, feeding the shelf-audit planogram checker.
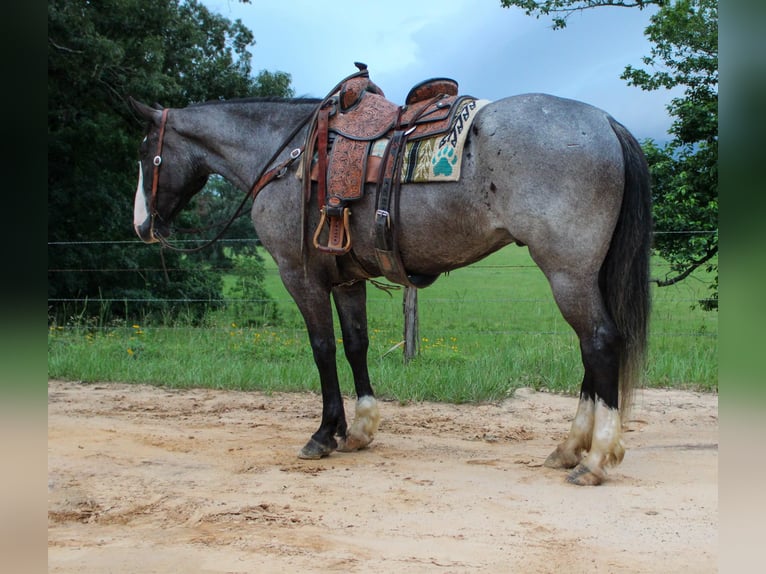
(557, 175)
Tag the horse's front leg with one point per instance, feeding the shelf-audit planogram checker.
(314, 304)
(351, 304)
(323, 441)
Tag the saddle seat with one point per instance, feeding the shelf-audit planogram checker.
(339, 157)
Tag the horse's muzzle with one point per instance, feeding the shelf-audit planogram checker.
(146, 231)
(152, 231)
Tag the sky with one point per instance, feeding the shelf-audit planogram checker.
(492, 52)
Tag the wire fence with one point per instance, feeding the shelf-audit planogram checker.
(485, 305)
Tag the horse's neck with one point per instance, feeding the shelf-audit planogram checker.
(238, 139)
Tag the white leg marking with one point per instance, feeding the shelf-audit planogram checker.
(581, 433)
(569, 452)
(140, 212)
(606, 447)
(365, 425)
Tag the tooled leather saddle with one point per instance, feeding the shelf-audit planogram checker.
(341, 157)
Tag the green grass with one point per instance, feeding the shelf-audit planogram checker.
(484, 331)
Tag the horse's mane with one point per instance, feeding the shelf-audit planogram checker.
(255, 99)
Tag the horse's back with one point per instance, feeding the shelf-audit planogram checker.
(553, 111)
(549, 128)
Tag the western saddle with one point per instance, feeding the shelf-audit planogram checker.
(342, 153)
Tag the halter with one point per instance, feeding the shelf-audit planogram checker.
(157, 161)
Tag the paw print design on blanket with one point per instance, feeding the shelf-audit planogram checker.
(444, 161)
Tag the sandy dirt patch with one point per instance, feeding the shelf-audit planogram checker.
(143, 479)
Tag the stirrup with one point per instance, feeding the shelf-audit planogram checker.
(339, 240)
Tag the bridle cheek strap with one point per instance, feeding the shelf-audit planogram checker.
(157, 161)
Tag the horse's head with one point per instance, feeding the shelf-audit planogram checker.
(168, 176)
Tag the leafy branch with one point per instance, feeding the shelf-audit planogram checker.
(561, 10)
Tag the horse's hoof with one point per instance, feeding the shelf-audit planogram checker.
(353, 443)
(365, 425)
(314, 450)
(558, 459)
(584, 476)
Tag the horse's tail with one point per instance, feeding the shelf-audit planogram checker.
(625, 272)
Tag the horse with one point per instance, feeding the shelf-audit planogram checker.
(557, 175)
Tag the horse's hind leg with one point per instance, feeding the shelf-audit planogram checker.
(351, 304)
(594, 440)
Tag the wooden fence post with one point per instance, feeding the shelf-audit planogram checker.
(411, 337)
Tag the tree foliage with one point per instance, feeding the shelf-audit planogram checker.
(684, 35)
(175, 52)
(684, 54)
(561, 10)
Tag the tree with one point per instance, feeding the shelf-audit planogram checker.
(685, 170)
(684, 34)
(172, 51)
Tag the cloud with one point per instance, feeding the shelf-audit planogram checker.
(491, 51)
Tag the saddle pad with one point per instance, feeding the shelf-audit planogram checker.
(437, 158)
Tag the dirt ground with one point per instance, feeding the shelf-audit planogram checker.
(142, 479)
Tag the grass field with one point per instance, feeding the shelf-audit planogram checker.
(485, 330)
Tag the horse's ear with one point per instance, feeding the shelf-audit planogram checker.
(144, 111)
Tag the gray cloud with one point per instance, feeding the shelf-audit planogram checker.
(492, 52)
